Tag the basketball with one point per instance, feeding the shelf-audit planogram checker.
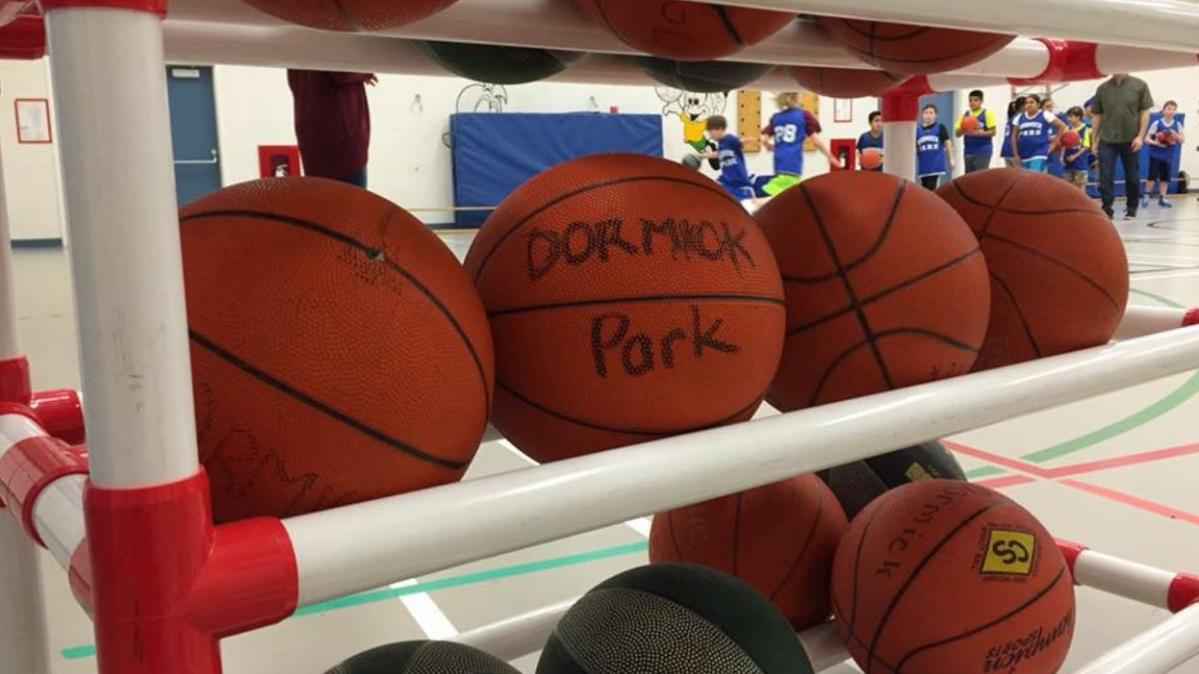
(845, 82)
(350, 15)
(673, 618)
(423, 657)
(1167, 138)
(497, 64)
(872, 158)
(630, 298)
(913, 50)
(1071, 139)
(970, 124)
(779, 538)
(1058, 267)
(857, 484)
(947, 577)
(704, 77)
(885, 287)
(685, 31)
(339, 353)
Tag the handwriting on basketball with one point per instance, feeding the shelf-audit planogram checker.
(895, 558)
(599, 242)
(639, 353)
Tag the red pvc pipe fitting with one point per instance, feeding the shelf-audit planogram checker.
(1184, 592)
(902, 103)
(61, 413)
(1192, 318)
(1069, 61)
(30, 466)
(165, 585)
(23, 38)
(1071, 551)
(14, 381)
(158, 7)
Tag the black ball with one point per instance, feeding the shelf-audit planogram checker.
(496, 64)
(671, 619)
(857, 484)
(707, 77)
(423, 657)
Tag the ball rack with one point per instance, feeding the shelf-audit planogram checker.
(128, 516)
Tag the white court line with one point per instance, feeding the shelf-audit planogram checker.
(432, 621)
(1156, 275)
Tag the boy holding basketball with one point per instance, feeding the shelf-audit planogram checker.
(786, 134)
(1161, 138)
(979, 133)
(934, 150)
(734, 176)
(1031, 134)
(1078, 160)
(872, 139)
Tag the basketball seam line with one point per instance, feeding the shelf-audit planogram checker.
(647, 433)
(727, 20)
(803, 550)
(1033, 251)
(882, 623)
(880, 295)
(714, 189)
(369, 252)
(292, 392)
(339, 5)
(635, 300)
(873, 32)
(1019, 313)
(1061, 573)
(982, 233)
(1012, 211)
(857, 567)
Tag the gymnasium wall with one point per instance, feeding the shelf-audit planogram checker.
(30, 171)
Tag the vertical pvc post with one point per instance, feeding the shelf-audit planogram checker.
(901, 112)
(23, 643)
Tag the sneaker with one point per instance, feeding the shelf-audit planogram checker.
(1130, 216)
(1164, 204)
(1144, 202)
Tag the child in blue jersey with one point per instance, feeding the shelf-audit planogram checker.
(1077, 160)
(872, 139)
(734, 176)
(978, 145)
(1014, 108)
(786, 134)
(1161, 155)
(1055, 166)
(1031, 133)
(934, 149)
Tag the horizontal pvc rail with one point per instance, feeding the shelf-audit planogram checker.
(1132, 580)
(1141, 320)
(358, 547)
(1158, 650)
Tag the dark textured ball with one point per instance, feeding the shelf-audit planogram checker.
(705, 77)
(857, 484)
(495, 64)
(423, 657)
(670, 619)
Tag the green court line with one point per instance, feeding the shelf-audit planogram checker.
(1188, 390)
(391, 594)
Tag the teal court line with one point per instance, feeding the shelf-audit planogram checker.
(1188, 390)
(391, 594)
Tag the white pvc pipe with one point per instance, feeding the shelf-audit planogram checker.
(1112, 59)
(1163, 24)
(58, 516)
(1124, 578)
(519, 635)
(900, 152)
(362, 546)
(1156, 651)
(1141, 320)
(118, 175)
(824, 648)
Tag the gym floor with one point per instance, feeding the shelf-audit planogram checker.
(1119, 473)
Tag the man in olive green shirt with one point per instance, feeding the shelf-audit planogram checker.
(1119, 122)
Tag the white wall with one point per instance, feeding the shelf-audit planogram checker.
(30, 171)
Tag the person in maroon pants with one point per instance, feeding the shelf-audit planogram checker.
(333, 123)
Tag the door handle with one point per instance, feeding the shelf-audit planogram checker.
(199, 162)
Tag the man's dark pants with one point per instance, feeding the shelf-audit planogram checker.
(1108, 153)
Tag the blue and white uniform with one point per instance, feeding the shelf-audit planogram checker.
(1035, 132)
(791, 129)
(733, 174)
(931, 159)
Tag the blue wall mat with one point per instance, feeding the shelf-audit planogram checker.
(494, 153)
(1175, 163)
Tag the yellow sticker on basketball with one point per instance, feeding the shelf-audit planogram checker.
(1009, 552)
(918, 473)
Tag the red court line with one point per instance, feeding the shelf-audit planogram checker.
(1124, 461)
(1009, 481)
(1134, 501)
(995, 459)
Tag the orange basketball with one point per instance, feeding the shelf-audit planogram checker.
(885, 287)
(339, 353)
(845, 82)
(872, 158)
(630, 298)
(945, 577)
(970, 124)
(685, 31)
(913, 50)
(351, 15)
(779, 538)
(1058, 267)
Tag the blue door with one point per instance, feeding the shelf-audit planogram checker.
(193, 132)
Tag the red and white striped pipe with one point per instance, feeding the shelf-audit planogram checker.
(1140, 321)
